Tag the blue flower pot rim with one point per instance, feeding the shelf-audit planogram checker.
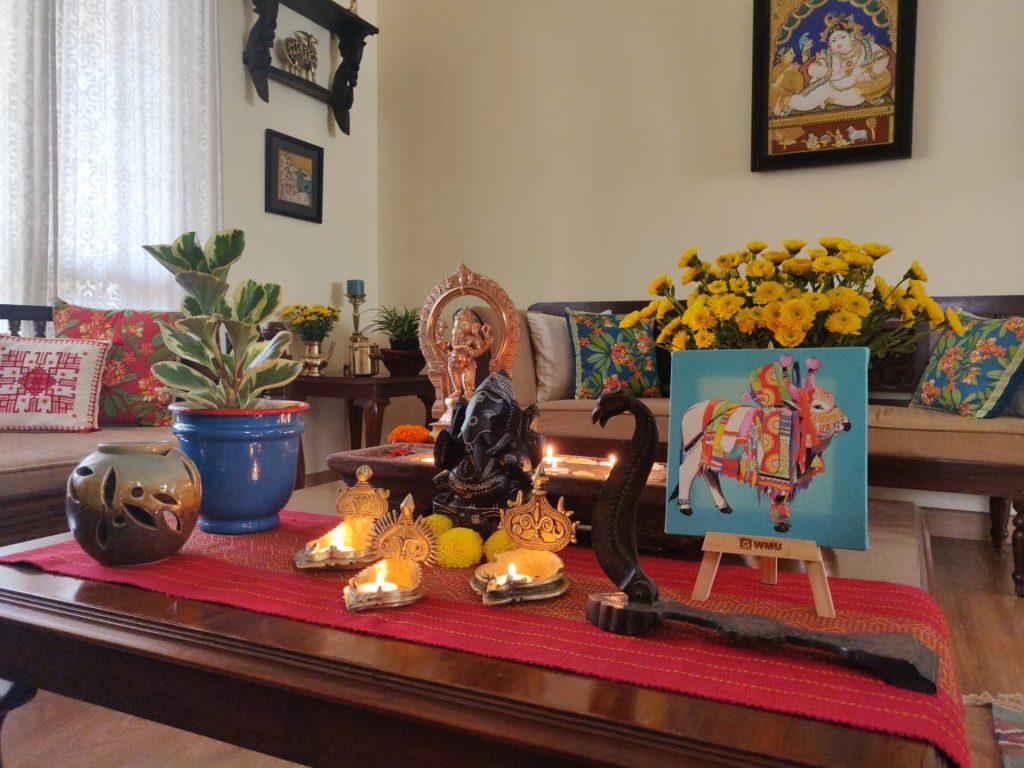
(286, 406)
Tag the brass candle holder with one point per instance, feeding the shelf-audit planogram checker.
(404, 545)
(533, 570)
(350, 543)
(364, 357)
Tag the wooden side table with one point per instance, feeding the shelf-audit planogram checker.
(366, 398)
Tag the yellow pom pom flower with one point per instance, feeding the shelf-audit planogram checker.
(829, 265)
(917, 271)
(788, 336)
(459, 548)
(796, 314)
(497, 542)
(440, 524)
(691, 274)
(775, 257)
(679, 341)
(718, 286)
(728, 261)
(726, 306)
(630, 320)
(703, 339)
(760, 268)
(658, 285)
(843, 322)
(689, 257)
(768, 292)
(875, 250)
(953, 320)
(794, 246)
(756, 246)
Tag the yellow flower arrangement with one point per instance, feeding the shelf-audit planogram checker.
(311, 323)
(823, 296)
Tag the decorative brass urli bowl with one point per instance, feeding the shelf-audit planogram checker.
(520, 575)
(386, 584)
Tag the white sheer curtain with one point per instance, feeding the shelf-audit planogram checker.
(134, 145)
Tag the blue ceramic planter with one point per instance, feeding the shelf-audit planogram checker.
(246, 459)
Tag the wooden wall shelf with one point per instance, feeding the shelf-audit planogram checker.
(347, 28)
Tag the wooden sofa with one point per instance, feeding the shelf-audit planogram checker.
(34, 466)
(910, 448)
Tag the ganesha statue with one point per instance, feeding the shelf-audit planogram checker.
(486, 456)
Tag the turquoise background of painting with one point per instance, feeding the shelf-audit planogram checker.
(832, 510)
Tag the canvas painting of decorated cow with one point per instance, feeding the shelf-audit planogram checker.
(769, 442)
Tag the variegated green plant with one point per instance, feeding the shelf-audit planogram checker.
(219, 336)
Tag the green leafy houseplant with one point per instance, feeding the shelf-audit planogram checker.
(402, 326)
(221, 338)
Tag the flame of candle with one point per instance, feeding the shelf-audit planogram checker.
(340, 537)
(512, 572)
(380, 580)
(550, 453)
(612, 458)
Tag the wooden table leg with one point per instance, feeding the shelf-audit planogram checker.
(1018, 547)
(999, 514)
(355, 422)
(12, 696)
(373, 414)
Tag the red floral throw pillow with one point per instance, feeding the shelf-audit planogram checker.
(129, 393)
(50, 385)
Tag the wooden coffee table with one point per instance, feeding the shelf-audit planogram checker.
(322, 696)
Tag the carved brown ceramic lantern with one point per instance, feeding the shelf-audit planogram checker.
(132, 503)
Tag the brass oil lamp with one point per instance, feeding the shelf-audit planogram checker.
(533, 570)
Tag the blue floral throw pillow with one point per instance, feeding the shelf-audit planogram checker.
(607, 356)
(974, 374)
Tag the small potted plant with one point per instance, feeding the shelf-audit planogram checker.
(402, 327)
(246, 447)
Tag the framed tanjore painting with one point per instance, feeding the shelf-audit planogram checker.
(833, 81)
(294, 177)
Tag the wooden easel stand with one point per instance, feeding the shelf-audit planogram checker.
(768, 550)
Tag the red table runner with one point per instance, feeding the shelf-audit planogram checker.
(255, 572)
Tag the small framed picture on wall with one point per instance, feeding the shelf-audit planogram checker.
(833, 81)
(294, 178)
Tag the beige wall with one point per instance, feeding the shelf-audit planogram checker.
(573, 148)
(310, 261)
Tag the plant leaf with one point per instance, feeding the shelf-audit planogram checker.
(269, 350)
(167, 258)
(224, 249)
(186, 250)
(242, 336)
(249, 301)
(186, 344)
(275, 373)
(181, 377)
(190, 307)
(207, 290)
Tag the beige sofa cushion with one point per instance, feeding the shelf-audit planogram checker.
(571, 418)
(921, 433)
(552, 356)
(40, 462)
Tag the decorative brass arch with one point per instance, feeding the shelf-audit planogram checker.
(465, 282)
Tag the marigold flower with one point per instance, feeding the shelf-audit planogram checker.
(496, 543)
(794, 246)
(859, 305)
(789, 336)
(875, 250)
(857, 259)
(818, 301)
(703, 339)
(816, 253)
(916, 289)
(775, 257)
(835, 244)
(953, 320)
(756, 246)
(659, 284)
(440, 524)
(843, 322)
(884, 290)
(726, 306)
(830, 265)
(630, 320)
(679, 341)
(665, 306)
(917, 271)
(691, 274)
(797, 267)
(699, 317)
(689, 257)
(840, 297)
(746, 320)
(760, 268)
(934, 312)
(796, 313)
(728, 261)
(459, 548)
(739, 285)
(649, 309)
(768, 292)
(718, 286)
(772, 315)
(409, 433)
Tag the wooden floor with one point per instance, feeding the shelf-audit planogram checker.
(969, 579)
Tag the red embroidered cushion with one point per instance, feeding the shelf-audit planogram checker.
(50, 385)
(129, 393)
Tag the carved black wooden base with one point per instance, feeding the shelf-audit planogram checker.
(898, 659)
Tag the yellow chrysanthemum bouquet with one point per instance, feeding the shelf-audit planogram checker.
(826, 296)
(311, 323)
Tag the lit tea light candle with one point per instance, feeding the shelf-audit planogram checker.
(612, 458)
(334, 544)
(512, 578)
(374, 587)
